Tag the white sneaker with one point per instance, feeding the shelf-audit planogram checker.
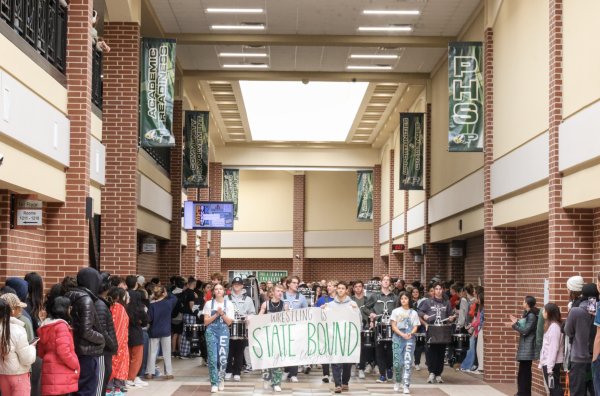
(214, 389)
(430, 378)
(293, 379)
(406, 391)
(397, 387)
(361, 374)
(368, 369)
(477, 372)
(439, 379)
(266, 384)
(284, 376)
(228, 376)
(221, 386)
(237, 378)
(277, 388)
(139, 382)
(418, 367)
(130, 383)
(376, 370)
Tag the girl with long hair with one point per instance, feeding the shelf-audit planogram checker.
(415, 294)
(35, 296)
(405, 323)
(120, 363)
(60, 367)
(137, 320)
(470, 363)
(159, 313)
(551, 355)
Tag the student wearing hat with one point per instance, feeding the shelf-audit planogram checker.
(244, 307)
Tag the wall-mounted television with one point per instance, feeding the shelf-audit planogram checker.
(208, 215)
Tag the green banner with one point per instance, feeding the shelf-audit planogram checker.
(411, 151)
(273, 276)
(231, 184)
(195, 149)
(364, 199)
(157, 81)
(465, 83)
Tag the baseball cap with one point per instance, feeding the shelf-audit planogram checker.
(13, 300)
(237, 279)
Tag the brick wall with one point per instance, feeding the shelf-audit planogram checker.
(473, 267)
(120, 136)
(215, 181)
(436, 258)
(347, 269)
(378, 263)
(394, 260)
(596, 243)
(202, 266)
(148, 264)
(412, 270)
(298, 226)
(455, 267)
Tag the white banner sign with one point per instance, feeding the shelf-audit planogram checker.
(305, 336)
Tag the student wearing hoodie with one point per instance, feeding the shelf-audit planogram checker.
(20, 287)
(159, 314)
(405, 323)
(107, 329)
(341, 371)
(60, 368)
(244, 306)
(88, 340)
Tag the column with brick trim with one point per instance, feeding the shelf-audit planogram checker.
(67, 237)
(215, 181)
(120, 136)
(378, 263)
(395, 259)
(299, 264)
(412, 270)
(202, 266)
(189, 253)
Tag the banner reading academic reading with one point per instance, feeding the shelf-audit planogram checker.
(231, 183)
(157, 80)
(364, 199)
(411, 151)
(465, 66)
(195, 152)
(305, 336)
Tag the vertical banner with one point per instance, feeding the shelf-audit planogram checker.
(195, 149)
(365, 196)
(231, 184)
(157, 82)
(411, 151)
(465, 83)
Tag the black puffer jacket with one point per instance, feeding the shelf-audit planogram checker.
(527, 349)
(107, 327)
(87, 334)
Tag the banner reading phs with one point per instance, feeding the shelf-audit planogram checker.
(411, 151)
(305, 336)
(195, 153)
(231, 184)
(364, 199)
(465, 65)
(157, 81)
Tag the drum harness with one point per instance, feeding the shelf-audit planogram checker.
(297, 300)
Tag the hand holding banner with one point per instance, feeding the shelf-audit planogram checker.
(305, 336)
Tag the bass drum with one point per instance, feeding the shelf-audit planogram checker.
(194, 334)
(238, 330)
(367, 338)
(383, 331)
(461, 342)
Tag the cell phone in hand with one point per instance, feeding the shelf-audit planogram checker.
(592, 304)
(550, 382)
(34, 340)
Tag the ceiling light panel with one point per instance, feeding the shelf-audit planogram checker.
(385, 28)
(249, 66)
(391, 12)
(374, 67)
(242, 55)
(374, 56)
(235, 10)
(238, 27)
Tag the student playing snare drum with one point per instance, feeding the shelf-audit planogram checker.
(405, 322)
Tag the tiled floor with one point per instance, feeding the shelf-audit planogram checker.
(191, 379)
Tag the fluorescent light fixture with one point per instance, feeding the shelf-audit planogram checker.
(239, 27)
(385, 12)
(386, 28)
(249, 66)
(371, 67)
(235, 10)
(292, 111)
(235, 55)
(375, 56)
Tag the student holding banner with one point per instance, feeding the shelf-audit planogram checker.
(331, 294)
(294, 300)
(405, 322)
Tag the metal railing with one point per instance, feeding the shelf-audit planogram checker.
(162, 155)
(42, 24)
(97, 78)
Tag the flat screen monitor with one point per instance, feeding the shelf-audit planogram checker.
(207, 215)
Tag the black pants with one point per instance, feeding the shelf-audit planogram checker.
(580, 379)
(418, 353)
(366, 356)
(558, 390)
(107, 370)
(325, 369)
(384, 355)
(524, 378)
(435, 358)
(292, 371)
(341, 373)
(235, 360)
(36, 377)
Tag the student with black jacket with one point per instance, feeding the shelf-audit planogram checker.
(107, 328)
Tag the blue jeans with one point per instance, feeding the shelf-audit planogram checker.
(217, 345)
(596, 375)
(470, 358)
(403, 352)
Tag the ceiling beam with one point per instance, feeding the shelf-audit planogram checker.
(311, 40)
(375, 77)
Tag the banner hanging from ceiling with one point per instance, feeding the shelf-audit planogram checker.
(231, 184)
(411, 151)
(195, 149)
(365, 196)
(157, 82)
(465, 83)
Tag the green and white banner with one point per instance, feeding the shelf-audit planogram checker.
(231, 184)
(465, 83)
(157, 81)
(195, 149)
(273, 276)
(364, 199)
(411, 151)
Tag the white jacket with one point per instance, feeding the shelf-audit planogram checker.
(21, 355)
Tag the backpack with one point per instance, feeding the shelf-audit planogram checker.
(177, 313)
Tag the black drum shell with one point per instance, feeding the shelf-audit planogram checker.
(238, 330)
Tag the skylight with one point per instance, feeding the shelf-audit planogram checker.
(293, 111)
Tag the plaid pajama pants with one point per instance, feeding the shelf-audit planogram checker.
(184, 348)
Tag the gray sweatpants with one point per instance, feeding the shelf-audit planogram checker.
(165, 343)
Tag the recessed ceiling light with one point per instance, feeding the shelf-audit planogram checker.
(239, 27)
(386, 28)
(385, 12)
(233, 55)
(375, 56)
(261, 66)
(371, 67)
(235, 10)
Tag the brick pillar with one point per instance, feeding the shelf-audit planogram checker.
(67, 238)
(412, 270)
(455, 266)
(189, 252)
(435, 261)
(215, 181)
(378, 263)
(202, 266)
(395, 259)
(299, 265)
(500, 264)
(120, 136)
(170, 260)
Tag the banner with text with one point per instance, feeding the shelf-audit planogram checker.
(195, 149)
(411, 151)
(231, 184)
(305, 336)
(364, 198)
(465, 65)
(273, 276)
(157, 81)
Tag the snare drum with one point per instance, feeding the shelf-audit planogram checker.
(368, 338)
(461, 342)
(193, 332)
(420, 340)
(238, 330)
(383, 331)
